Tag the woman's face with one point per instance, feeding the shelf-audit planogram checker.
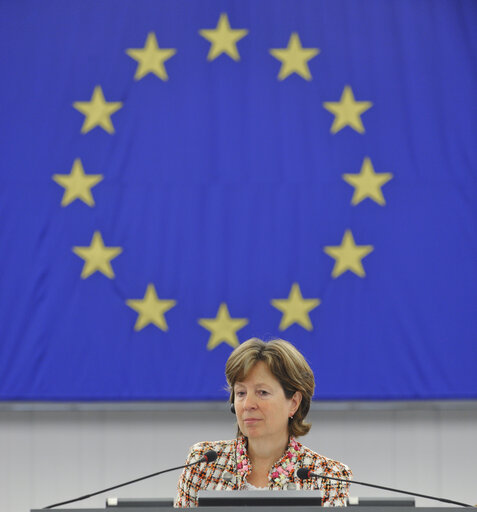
(261, 406)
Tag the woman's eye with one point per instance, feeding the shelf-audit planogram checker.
(262, 392)
(239, 393)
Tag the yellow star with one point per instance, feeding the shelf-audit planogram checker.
(294, 58)
(223, 38)
(151, 309)
(98, 111)
(347, 111)
(223, 328)
(97, 257)
(348, 255)
(151, 58)
(77, 184)
(368, 183)
(295, 309)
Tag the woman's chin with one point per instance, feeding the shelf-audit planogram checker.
(251, 431)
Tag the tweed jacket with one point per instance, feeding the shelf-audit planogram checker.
(232, 466)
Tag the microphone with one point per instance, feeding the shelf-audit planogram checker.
(208, 457)
(306, 473)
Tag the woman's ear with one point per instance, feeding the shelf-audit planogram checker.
(295, 402)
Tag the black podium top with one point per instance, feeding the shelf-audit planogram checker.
(260, 509)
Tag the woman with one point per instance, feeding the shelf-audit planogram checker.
(271, 387)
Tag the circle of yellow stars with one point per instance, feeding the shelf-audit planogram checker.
(294, 59)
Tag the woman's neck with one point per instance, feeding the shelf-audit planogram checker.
(266, 451)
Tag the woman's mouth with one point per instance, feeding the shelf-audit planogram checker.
(251, 421)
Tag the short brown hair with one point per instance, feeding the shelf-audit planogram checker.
(286, 364)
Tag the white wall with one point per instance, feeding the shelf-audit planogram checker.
(51, 456)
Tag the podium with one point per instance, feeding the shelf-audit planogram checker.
(260, 501)
(259, 509)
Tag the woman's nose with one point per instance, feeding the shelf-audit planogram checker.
(250, 402)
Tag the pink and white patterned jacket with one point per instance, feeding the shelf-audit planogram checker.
(232, 466)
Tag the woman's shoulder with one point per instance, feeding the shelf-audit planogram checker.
(223, 448)
(320, 463)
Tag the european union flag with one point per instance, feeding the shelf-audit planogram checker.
(177, 177)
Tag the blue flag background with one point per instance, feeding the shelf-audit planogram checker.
(304, 170)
